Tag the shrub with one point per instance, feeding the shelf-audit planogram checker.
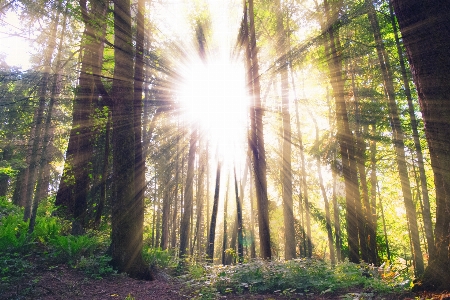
(157, 257)
(13, 234)
(71, 248)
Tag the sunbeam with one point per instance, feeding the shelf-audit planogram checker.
(212, 96)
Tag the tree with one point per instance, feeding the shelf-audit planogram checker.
(398, 138)
(188, 195)
(256, 140)
(139, 160)
(286, 170)
(73, 191)
(426, 23)
(39, 120)
(344, 134)
(414, 126)
(240, 226)
(212, 227)
(127, 210)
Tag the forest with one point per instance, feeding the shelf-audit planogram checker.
(290, 149)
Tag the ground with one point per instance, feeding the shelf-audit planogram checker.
(62, 282)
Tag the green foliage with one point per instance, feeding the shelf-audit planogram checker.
(12, 265)
(71, 248)
(13, 233)
(129, 297)
(159, 258)
(8, 171)
(48, 229)
(96, 266)
(296, 277)
(7, 208)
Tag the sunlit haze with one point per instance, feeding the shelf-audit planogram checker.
(213, 97)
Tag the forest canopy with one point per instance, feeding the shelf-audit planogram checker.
(221, 131)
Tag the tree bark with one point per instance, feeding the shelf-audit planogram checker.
(139, 159)
(426, 213)
(71, 198)
(127, 212)
(225, 255)
(256, 140)
(344, 135)
(188, 196)
(303, 197)
(212, 227)
(426, 36)
(324, 195)
(398, 139)
(39, 120)
(240, 226)
(286, 171)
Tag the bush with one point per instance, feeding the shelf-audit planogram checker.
(158, 258)
(13, 234)
(71, 248)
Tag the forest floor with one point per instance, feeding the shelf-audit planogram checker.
(63, 282)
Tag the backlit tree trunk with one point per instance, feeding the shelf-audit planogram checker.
(127, 210)
(426, 36)
(185, 224)
(426, 214)
(286, 171)
(212, 227)
(256, 139)
(398, 139)
(344, 134)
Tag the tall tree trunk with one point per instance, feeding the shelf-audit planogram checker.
(344, 134)
(286, 170)
(398, 139)
(199, 231)
(139, 159)
(426, 36)
(175, 197)
(256, 141)
(73, 190)
(185, 223)
(207, 197)
(39, 120)
(240, 248)
(303, 197)
(165, 210)
(105, 171)
(252, 221)
(127, 212)
(212, 227)
(43, 171)
(336, 218)
(324, 194)
(388, 252)
(225, 255)
(426, 214)
(372, 220)
(360, 155)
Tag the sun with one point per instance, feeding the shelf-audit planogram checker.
(214, 98)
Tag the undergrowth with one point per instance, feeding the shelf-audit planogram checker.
(49, 244)
(296, 278)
